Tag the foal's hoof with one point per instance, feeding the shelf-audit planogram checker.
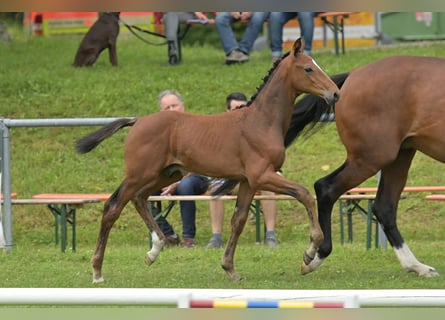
(237, 278)
(306, 268)
(148, 260)
(98, 280)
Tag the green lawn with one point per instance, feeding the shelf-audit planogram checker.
(38, 81)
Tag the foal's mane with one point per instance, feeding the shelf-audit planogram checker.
(265, 79)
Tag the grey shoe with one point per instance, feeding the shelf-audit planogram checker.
(271, 242)
(236, 56)
(214, 243)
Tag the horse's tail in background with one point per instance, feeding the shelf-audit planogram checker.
(225, 187)
(309, 110)
(92, 140)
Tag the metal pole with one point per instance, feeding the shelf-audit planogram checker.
(6, 174)
(5, 125)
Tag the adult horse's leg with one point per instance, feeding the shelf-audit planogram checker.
(239, 218)
(112, 210)
(392, 180)
(274, 182)
(328, 189)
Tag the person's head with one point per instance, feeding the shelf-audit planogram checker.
(234, 100)
(171, 100)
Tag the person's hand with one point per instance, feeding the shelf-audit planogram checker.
(236, 15)
(201, 16)
(245, 15)
(169, 190)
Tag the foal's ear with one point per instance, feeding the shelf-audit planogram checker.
(298, 47)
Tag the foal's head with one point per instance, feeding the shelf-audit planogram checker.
(306, 76)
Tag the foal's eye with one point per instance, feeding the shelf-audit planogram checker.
(308, 69)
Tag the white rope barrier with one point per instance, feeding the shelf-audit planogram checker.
(163, 296)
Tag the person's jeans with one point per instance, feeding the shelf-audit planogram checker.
(171, 22)
(224, 23)
(276, 22)
(191, 185)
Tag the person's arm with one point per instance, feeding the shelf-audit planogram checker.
(201, 16)
(171, 189)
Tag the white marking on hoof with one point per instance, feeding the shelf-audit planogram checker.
(98, 280)
(153, 254)
(410, 263)
(312, 266)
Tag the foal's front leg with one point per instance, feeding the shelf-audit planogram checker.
(239, 218)
(272, 181)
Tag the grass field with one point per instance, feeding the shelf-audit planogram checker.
(38, 81)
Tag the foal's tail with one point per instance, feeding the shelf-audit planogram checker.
(92, 140)
(309, 111)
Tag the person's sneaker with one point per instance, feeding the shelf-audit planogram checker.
(173, 240)
(236, 56)
(173, 60)
(188, 243)
(271, 242)
(214, 243)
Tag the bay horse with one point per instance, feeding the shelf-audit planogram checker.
(246, 145)
(388, 110)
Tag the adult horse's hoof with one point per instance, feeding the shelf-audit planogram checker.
(431, 272)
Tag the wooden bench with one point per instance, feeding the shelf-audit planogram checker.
(347, 207)
(435, 197)
(64, 212)
(353, 201)
(337, 26)
(172, 201)
(13, 195)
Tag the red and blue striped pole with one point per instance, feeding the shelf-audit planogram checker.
(262, 304)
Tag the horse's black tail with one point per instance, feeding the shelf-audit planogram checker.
(92, 140)
(225, 187)
(309, 111)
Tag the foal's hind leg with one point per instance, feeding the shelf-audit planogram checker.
(239, 218)
(112, 210)
(274, 182)
(392, 181)
(157, 236)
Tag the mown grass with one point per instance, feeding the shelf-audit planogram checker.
(38, 81)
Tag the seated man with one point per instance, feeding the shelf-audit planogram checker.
(191, 184)
(171, 24)
(239, 51)
(233, 101)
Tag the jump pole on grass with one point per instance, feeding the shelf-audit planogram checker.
(163, 296)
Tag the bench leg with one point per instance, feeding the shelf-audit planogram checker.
(61, 216)
(258, 221)
(335, 29)
(369, 226)
(342, 225)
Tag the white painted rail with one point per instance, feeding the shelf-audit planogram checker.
(163, 296)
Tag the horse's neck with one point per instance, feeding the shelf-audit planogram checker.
(276, 99)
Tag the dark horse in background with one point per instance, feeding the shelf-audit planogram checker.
(162, 147)
(388, 110)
